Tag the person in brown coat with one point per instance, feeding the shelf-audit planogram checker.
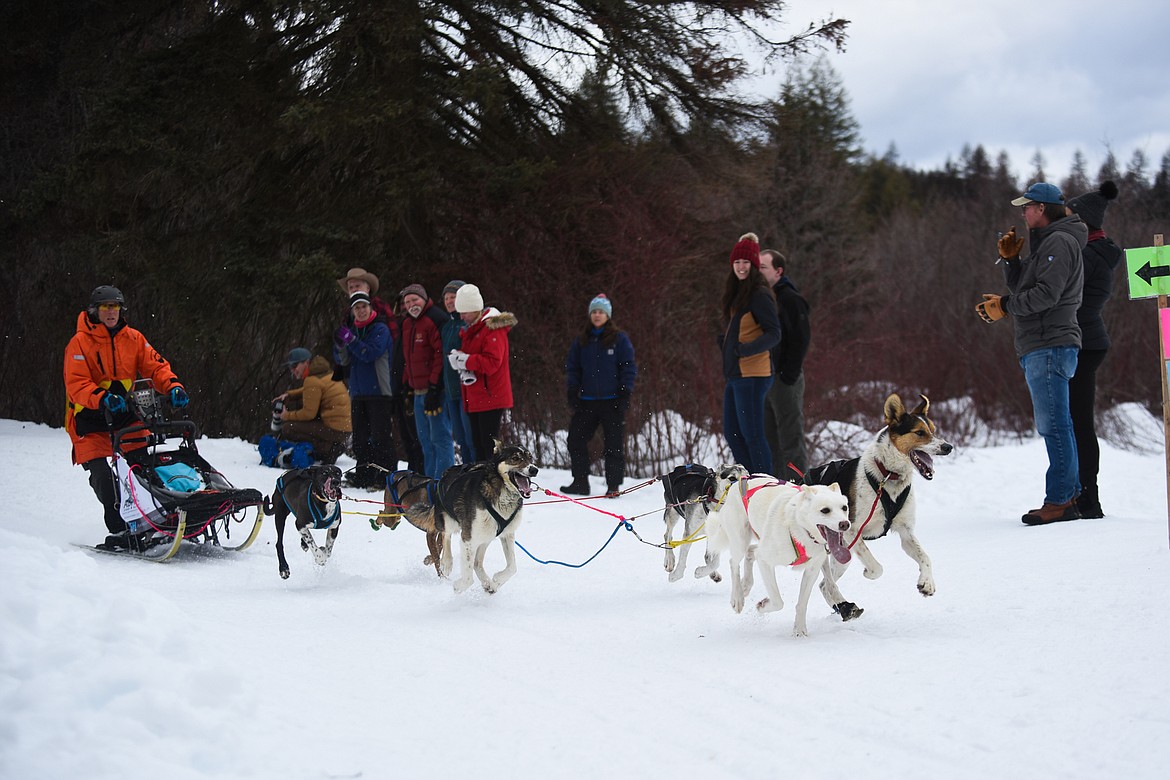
(317, 412)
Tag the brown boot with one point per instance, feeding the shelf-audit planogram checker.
(1052, 513)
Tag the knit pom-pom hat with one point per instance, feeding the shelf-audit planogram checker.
(1091, 206)
(747, 248)
(601, 303)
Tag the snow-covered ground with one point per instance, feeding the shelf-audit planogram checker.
(1044, 653)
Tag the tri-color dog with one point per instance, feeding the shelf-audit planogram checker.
(482, 502)
(312, 495)
(878, 484)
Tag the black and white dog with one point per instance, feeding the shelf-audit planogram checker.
(481, 502)
(689, 491)
(312, 495)
(878, 485)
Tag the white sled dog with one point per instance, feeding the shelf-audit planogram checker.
(878, 485)
(732, 526)
(480, 502)
(802, 528)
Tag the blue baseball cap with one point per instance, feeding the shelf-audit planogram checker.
(1040, 192)
(298, 355)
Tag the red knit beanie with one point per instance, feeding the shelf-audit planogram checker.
(747, 248)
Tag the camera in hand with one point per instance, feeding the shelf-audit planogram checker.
(277, 408)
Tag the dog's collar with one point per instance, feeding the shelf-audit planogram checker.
(886, 473)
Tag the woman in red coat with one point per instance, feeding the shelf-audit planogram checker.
(483, 366)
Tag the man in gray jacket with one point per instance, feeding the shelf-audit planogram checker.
(1045, 293)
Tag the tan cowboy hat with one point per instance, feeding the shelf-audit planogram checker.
(359, 273)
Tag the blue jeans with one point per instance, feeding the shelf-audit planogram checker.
(743, 422)
(1048, 371)
(434, 434)
(460, 427)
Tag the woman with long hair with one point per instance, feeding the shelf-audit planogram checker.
(751, 330)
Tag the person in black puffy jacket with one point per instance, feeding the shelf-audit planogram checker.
(1102, 256)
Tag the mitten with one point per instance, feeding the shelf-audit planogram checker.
(466, 377)
(345, 336)
(991, 309)
(458, 360)
(574, 397)
(433, 403)
(1010, 244)
(179, 397)
(114, 403)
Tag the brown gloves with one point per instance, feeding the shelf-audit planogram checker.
(1010, 244)
(992, 308)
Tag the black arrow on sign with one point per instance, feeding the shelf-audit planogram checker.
(1147, 272)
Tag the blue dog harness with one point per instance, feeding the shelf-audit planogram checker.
(320, 520)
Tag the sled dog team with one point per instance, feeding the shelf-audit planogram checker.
(758, 521)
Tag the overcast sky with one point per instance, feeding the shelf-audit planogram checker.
(1012, 76)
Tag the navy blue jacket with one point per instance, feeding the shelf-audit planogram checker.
(368, 358)
(602, 368)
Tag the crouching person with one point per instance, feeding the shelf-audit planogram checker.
(317, 412)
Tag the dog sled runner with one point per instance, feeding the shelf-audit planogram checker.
(169, 494)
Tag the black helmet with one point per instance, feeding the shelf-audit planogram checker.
(106, 294)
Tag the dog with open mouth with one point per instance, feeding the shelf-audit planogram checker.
(481, 502)
(312, 495)
(878, 485)
(804, 528)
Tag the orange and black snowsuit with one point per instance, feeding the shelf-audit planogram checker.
(98, 361)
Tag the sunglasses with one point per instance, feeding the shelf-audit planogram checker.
(109, 307)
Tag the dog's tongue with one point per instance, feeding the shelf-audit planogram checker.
(836, 544)
(923, 462)
(522, 484)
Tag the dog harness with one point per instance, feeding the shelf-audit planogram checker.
(691, 470)
(318, 506)
(890, 505)
(393, 481)
(444, 486)
(746, 493)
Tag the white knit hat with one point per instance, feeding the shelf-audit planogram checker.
(468, 299)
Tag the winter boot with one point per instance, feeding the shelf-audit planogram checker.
(579, 487)
(613, 491)
(1052, 513)
(1088, 504)
(118, 542)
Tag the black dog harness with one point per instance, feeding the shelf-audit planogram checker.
(843, 472)
(693, 470)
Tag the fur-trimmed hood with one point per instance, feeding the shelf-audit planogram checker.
(495, 319)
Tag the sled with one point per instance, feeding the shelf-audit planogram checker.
(167, 491)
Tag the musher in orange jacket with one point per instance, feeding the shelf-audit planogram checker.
(102, 361)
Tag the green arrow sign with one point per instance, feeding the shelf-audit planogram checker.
(1148, 270)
